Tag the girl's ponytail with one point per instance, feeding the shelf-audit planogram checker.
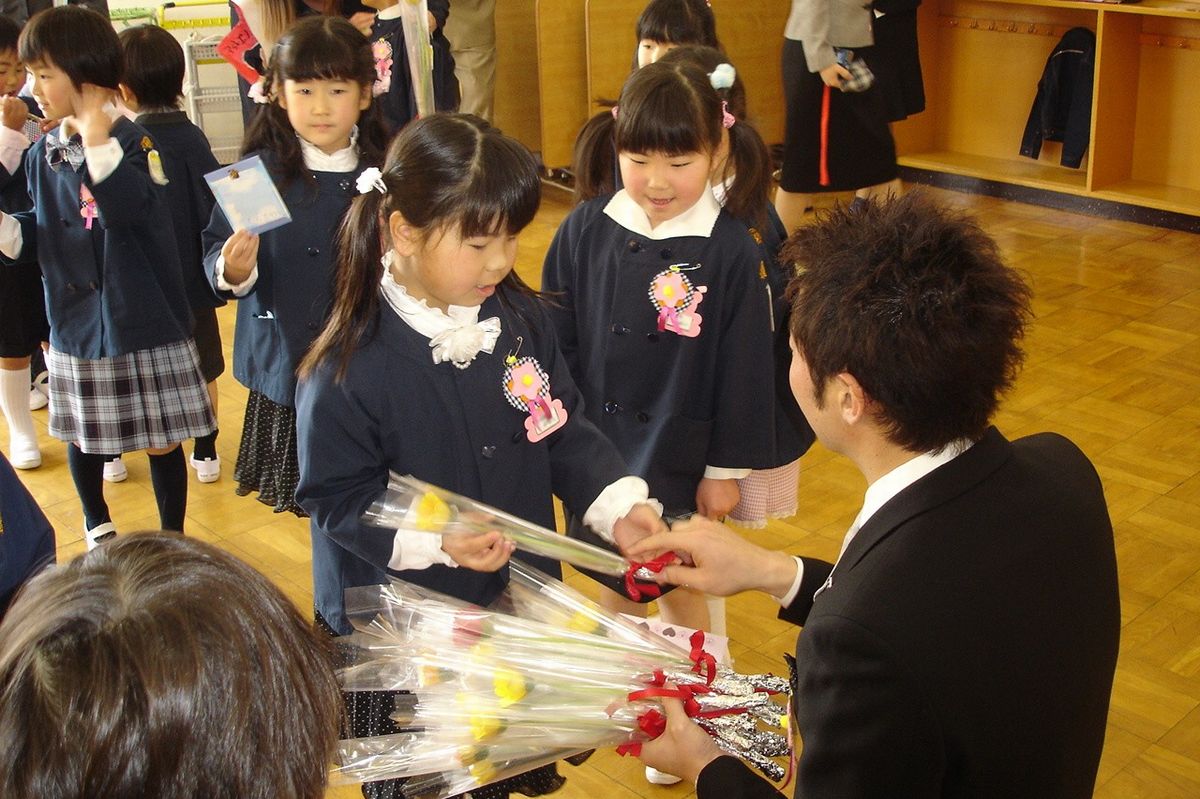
(594, 161)
(360, 248)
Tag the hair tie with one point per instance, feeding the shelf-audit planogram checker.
(614, 111)
(371, 178)
(722, 77)
(727, 119)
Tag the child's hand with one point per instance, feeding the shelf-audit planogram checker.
(91, 119)
(363, 20)
(486, 552)
(641, 521)
(241, 256)
(14, 113)
(716, 498)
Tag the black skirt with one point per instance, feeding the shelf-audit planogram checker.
(856, 150)
(266, 460)
(895, 59)
(23, 325)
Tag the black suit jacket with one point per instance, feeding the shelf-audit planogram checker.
(966, 642)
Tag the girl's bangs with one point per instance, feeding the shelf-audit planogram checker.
(325, 58)
(660, 124)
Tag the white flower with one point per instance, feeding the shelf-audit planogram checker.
(256, 92)
(371, 178)
(722, 77)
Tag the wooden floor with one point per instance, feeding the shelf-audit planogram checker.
(1113, 363)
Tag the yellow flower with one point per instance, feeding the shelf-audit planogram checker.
(432, 512)
(509, 686)
(483, 772)
(583, 623)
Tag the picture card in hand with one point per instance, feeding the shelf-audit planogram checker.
(248, 196)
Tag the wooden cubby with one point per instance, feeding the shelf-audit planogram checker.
(982, 60)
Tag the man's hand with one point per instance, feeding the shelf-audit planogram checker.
(485, 552)
(715, 560)
(716, 498)
(641, 521)
(683, 749)
(13, 113)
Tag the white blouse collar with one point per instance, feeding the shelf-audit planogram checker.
(455, 335)
(344, 160)
(695, 221)
(391, 12)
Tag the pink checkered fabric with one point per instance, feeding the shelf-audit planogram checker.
(767, 494)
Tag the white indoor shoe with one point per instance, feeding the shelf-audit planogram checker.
(656, 777)
(207, 470)
(99, 534)
(115, 471)
(24, 453)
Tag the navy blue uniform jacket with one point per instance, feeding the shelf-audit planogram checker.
(186, 159)
(397, 410)
(965, 644)
(670, 403)
(398, 101)
(286, 308)
(118, 287)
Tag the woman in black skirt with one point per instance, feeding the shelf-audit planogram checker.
(836, 139)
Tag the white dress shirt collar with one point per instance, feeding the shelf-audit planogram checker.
(695, 221)
(344, 160)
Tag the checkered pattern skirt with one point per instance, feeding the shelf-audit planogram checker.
(767, 494)
(151, 398)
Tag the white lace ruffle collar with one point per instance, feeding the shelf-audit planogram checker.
(695, 221)
(344, 160)
(455, 335)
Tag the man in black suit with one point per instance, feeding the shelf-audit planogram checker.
(965, 641)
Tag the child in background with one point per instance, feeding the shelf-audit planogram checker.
(23, 325)
(425, 368)
(663, 311)
(151, 87)
(662, 26)
(393, 83)
(318, 133)
(124, 373)
(162, 666)
(665, 24)
(742, 183)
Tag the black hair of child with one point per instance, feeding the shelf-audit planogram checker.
(10, 32)
(153, 66)
(315, 48)
(76, 40)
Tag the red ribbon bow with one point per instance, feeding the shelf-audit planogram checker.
(636, 590)
(702, 662)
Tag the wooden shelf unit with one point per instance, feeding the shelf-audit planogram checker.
(982, 60)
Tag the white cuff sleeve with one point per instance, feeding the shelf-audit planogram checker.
(241, 289)
(790, 596)
(616, 500)
(721, 473)
(11, 241)
(103, 159)
(13, 144)
(414, 550)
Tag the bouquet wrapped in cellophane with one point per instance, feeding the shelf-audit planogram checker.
(542, 674)
(413, 506)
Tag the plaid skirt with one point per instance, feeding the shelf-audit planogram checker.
(767, 494)
(151, 398)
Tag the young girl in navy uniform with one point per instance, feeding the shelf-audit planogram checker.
(440, 362)
(393, 84)
(319, 132)
(124, 373)
(663, 312)
(23, 325)
(742, 184)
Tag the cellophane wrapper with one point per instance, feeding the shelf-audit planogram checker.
(540, 675)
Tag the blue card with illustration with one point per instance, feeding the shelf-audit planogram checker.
(248, 196)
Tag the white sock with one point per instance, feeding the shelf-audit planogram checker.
(14, 401)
